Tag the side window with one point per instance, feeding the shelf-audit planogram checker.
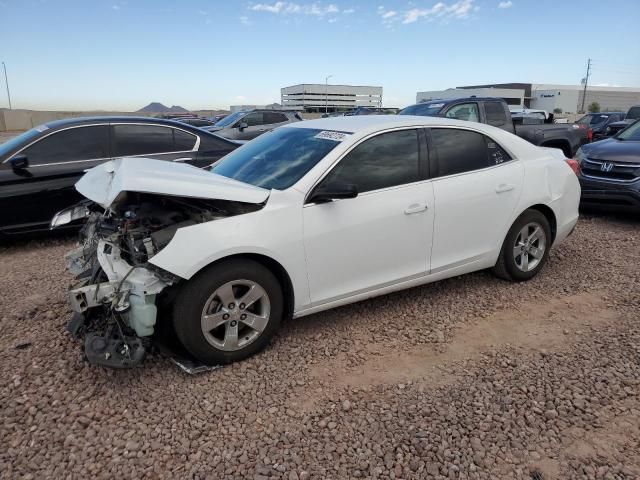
(464, 111)
(82, 143)
(495, 114)
(386, 160)
(461, 151)
(497, 154)
(273, 117)
(254, 119)
(183, 140)
(130, 139)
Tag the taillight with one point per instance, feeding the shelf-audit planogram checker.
(590, 135)
(574, 164)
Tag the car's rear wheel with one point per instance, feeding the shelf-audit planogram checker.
(525, 249)
(228, 312)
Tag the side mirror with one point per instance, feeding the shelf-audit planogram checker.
(19, 162)
(333, 191)
(242, 126)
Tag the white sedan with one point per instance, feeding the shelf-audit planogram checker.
(308, 217)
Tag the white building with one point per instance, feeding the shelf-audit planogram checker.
(318, 97)
(547, 97)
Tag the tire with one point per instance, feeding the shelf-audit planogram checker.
(208, 311)
(534, 251)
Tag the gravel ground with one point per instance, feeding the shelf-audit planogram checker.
(467, 378)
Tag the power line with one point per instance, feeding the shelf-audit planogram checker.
(4, 67)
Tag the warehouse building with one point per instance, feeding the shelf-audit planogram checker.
(318, 97)
(549, 97)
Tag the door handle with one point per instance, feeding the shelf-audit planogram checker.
(504, 187)
(181, 159)
(415, 208)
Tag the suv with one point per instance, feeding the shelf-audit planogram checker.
(248, 124)
(610, 171)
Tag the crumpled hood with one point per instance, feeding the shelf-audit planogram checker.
(102, 184)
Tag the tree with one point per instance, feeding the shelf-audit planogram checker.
(557, 110)
(594, 107)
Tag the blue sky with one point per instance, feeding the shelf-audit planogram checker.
(123, 54)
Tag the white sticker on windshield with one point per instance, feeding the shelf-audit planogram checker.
(42, 128)
(436, 105)
(331, 135)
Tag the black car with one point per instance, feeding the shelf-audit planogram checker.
(610, 171)
(633, 115)
(39, 168)
(599, 122)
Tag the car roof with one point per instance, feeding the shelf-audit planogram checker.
(66, 122)
(364, 123)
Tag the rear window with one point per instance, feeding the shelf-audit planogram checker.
(495, 113)
(423, 109)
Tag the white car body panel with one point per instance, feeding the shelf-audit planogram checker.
(348, 250)
(103, 183)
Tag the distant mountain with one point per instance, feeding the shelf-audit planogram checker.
(157, 107)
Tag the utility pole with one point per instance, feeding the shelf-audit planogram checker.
(586, 81)
(326, 93)
(4, 67)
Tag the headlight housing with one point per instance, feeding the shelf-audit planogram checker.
(68, 215)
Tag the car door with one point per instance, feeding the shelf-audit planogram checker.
(31, 196)
(476, 187)
(255, 126)
(381, 237)
(161, 142)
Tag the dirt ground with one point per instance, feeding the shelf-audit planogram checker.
(467, 378)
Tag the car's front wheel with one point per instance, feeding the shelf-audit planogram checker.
(525, 249)
(229, 311)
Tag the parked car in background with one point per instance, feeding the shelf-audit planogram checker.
(39, 167)
(495, 112)
(249, 124)
(599, 122)
(610, 171)
(372, 111)
(216, 118)
(632, 116)
(196, 122)
(308, 217)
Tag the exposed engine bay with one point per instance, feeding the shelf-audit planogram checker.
(117, 294)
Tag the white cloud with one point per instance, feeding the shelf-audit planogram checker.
(115, 7)
(349, 10)
(458, 10)
(242, 98)
(244, 20)
(507, 4)
(316, 9)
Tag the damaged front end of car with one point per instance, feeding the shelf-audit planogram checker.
(117, 291)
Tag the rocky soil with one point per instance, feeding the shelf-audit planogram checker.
(469, 378)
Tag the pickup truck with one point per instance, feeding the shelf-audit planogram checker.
(494, 111)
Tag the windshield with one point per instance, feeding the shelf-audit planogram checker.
(20, 140)
(633, 113)
(277, 159)
(229, 119)
(632, 132)
(423, 109)
(593, 119)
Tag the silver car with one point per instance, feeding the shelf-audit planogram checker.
(248, 124)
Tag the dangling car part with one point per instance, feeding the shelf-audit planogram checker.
(115, 298)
